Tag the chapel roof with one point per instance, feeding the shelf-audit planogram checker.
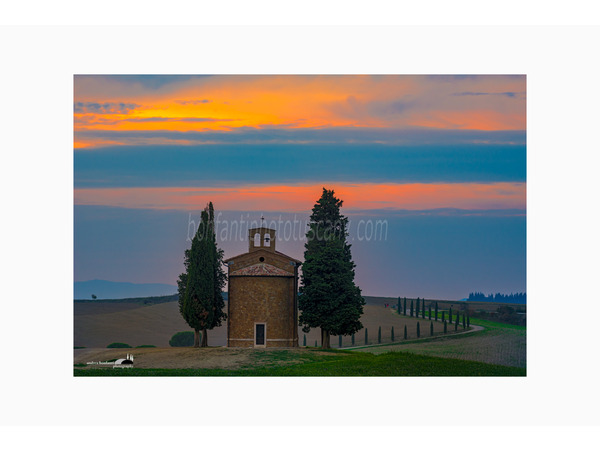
(261, 269)
(283, 255)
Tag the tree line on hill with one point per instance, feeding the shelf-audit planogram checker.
(518, 297)
(504, 314)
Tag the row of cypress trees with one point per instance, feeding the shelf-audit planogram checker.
(420, 310)
(465, 324)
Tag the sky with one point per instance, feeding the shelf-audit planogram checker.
(431, 171)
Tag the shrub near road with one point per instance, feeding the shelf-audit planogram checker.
(118, 345)
(182, 339)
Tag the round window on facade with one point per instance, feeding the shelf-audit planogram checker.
(261, 259)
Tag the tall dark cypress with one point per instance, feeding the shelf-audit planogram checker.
(201, 286)
(220, 277)
(330, 299)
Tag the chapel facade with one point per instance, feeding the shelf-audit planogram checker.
(262, 310)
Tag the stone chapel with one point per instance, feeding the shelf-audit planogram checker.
(262, 309)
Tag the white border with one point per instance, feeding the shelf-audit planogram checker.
(562, 227)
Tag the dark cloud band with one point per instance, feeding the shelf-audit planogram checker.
(145, 166)
(104, 108)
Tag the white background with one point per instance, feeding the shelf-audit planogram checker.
(36, 322)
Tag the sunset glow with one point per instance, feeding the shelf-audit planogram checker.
(295, 198)
(230, 103)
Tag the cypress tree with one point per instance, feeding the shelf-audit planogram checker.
(399, 305)
(418, 307)
(450, 315)
(458, 316)
(464, 322)
(455, 325)
(411, 308)
(431, 328)
(445, 327)
(379, 336)
(443, 316)
(366, 337)
(200, 288)
(392, 334)
(468, 321)
(418, 330)
(436, 311)
(182, 282)
(430, 311)
(404, 305)
(405, 332)
(330, 300)
(423, 309)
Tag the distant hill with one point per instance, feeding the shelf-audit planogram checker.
(510, 301)
(103, 289)
(519, 298)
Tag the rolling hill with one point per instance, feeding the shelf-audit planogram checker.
(104, 289)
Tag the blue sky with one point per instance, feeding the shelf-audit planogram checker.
(441, 160)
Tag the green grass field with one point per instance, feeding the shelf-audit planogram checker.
(331, 363)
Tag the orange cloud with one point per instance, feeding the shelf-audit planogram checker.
(283, 198)
(469, 120)
(307, 101)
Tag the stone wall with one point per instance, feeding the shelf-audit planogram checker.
(262, 294)
(267, 299)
